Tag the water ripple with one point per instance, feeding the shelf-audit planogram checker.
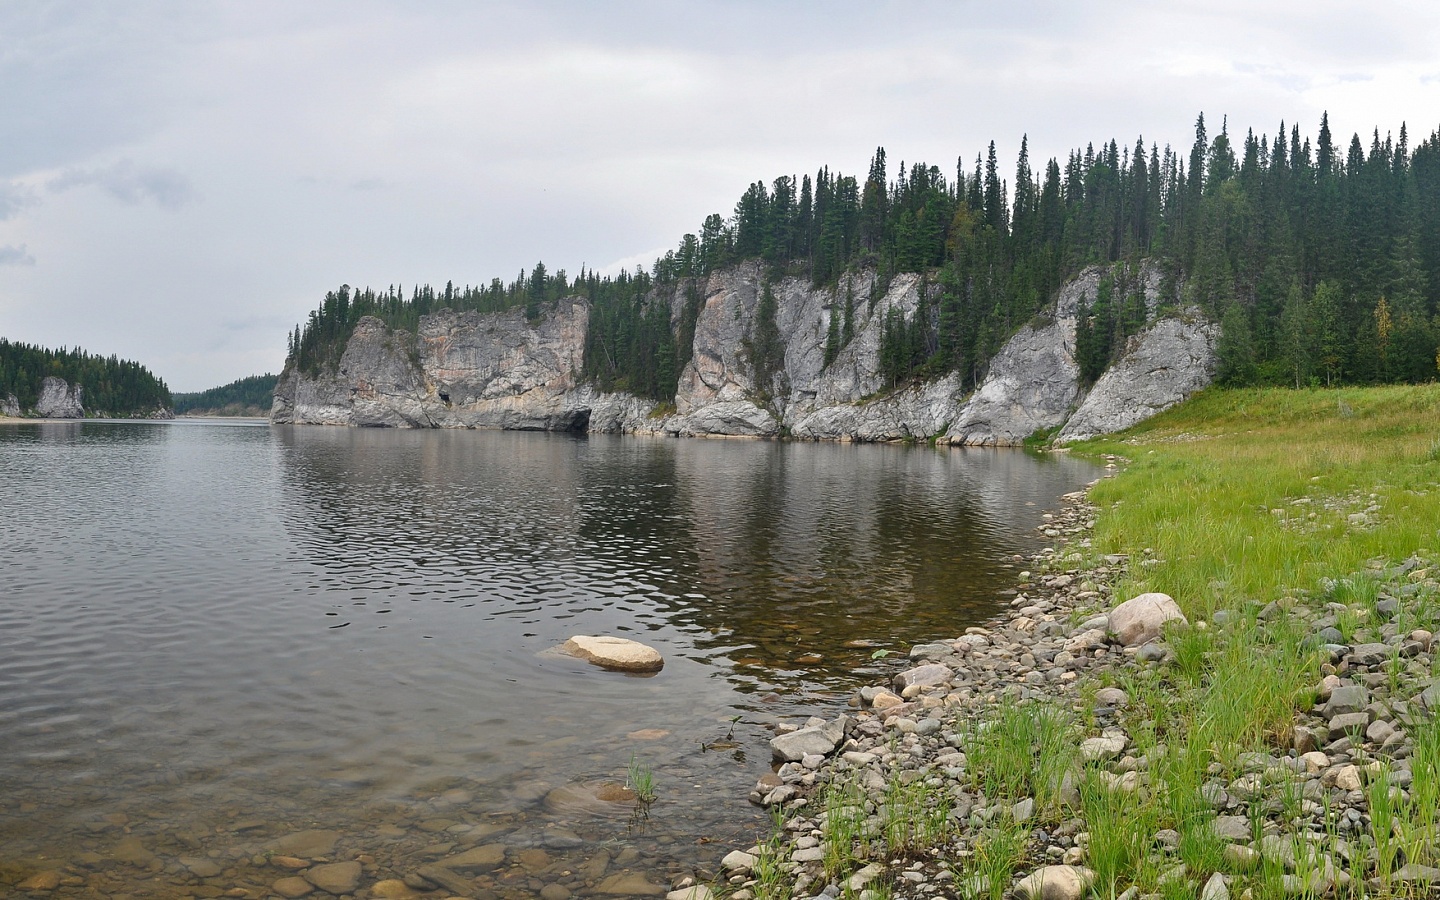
(196, 615)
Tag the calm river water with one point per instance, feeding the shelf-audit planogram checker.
(213, 636)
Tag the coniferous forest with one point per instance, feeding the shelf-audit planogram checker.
(1319, 258)
(112, 385)
(250, 396)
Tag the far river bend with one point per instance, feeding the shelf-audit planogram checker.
(214, 636)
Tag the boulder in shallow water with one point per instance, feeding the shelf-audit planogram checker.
(309, 844)
(618, 654)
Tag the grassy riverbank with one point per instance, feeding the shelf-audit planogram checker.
(1297, 530)
(1311, 500)
(1244, 495)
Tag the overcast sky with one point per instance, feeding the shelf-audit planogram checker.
(180, 182)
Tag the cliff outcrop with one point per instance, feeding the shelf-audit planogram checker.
(59, 400)
(1162, 365)
(500, 370)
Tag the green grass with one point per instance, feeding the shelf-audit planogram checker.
(914, 815)
(772, 882)
(994, 855)
(641, 780)
(1235, 500)
(1021, 751)
(1204, 478)
(843, 827)
(1121, 825)
(1246, 497)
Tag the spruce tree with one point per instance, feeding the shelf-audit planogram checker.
(1234, 352)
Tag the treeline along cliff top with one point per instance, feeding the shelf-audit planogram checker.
(111, 385)
(1321, 261)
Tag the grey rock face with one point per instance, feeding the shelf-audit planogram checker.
(386, 389)
(58, 400)
(9, 406)
(725, 417)
(472, 370)
(376, 384)
(1034, 380)
(719, 372)
(500, 371)
(1162, 365)
(916, 412)
(461, 370)
(718, 393)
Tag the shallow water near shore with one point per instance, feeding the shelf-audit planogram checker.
(214, 636)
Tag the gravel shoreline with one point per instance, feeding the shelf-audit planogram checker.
(1296, 820)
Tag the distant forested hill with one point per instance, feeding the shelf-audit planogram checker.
(112, 386)
(246, 397)
(1320, 259)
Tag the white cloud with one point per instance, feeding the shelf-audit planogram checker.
(385, 142)
(15, 256)
(130, 184)
(14, 197)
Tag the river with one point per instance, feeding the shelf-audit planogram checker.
(215, 636)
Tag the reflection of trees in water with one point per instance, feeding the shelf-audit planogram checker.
(801, 549)
(434, 500)
(773, 555)
(815, 547)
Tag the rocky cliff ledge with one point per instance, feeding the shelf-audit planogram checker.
(471, 370)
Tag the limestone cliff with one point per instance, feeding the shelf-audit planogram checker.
(469, 370)
(460, 370)
(58, 400)
(717, 391)
(1162, 365)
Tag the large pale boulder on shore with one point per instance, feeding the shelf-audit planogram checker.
(815, 740)
(1139, 620)
(619, 654)
(1056, 883)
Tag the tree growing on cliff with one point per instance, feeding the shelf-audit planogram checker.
(1225, 228)
(765, 347)
(113, 386)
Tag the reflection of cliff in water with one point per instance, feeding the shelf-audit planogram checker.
(804, 556)
(771, 556)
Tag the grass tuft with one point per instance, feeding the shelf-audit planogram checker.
(641, 780)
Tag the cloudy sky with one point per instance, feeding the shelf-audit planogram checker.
(180, 182)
